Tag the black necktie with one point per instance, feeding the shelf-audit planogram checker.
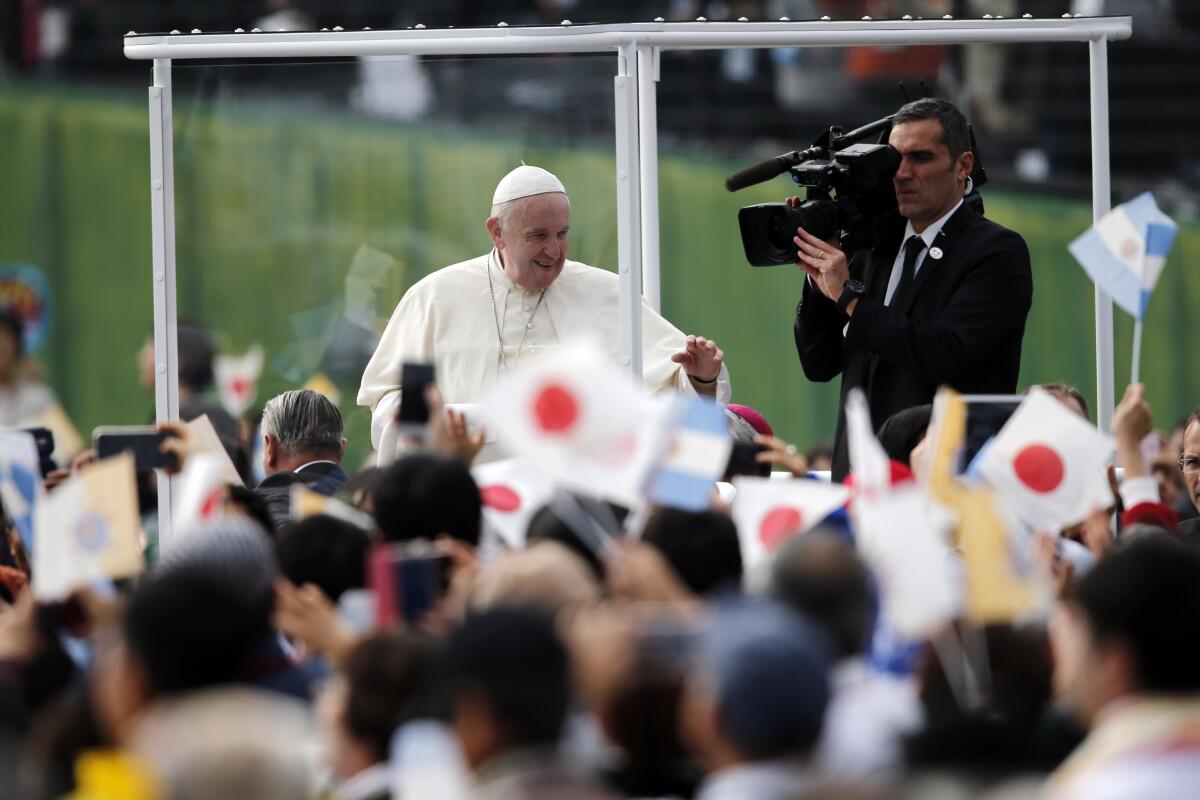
(912, 248)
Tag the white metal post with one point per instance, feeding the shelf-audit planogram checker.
(162, 223)
(629, 250)
(1101, 205)
(648, 65)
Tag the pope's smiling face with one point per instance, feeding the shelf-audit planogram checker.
(532, 238)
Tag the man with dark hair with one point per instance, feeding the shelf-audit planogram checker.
(327, 552)
(941, 301)
(510, 689)
(1125, 655)
(424, 495)
(701, 546)
(302, 444)
(821, 576)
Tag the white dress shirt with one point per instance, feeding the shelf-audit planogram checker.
(929, 235)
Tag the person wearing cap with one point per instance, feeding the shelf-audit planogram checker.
(476, 319)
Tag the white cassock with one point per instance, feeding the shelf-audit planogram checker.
(447, 318)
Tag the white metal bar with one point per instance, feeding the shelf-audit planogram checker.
(594, 38)
(648, 157)
(162, 222)
(1101, 205)
(629, 251)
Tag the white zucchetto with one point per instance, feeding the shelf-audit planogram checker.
(525, 181)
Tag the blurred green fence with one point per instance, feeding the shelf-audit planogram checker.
(76, 204)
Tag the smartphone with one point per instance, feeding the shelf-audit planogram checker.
(415, 378)
(43, 438)
(742, 461)
(409, 580)
(144, 441)
(986, 415)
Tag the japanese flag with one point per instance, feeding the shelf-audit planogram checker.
(512, 491)
(1048, 464)
(768, 512)
(202, 490)
(904, 537)
(237, 379)
(579, 420)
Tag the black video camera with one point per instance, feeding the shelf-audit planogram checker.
(850, 194)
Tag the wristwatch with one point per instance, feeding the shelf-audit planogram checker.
(851, 290)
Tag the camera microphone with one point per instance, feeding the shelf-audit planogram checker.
(763, 171)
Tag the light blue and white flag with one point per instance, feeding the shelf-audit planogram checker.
(695, 455)
(1125, 250)
(20, 481)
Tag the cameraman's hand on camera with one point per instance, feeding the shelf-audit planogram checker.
(824, 262)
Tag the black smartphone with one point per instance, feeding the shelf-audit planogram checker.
(986, 415)
(742, 461)
(43, 438)
(415, 378)
(144, 441)
(408, 579)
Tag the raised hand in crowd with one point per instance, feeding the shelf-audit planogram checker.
(306, 615)
(781, 454)
(448, 431)
(1131, 424)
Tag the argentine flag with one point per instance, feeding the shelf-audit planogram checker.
(1125, 250)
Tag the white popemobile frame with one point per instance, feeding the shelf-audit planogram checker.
(637, 47)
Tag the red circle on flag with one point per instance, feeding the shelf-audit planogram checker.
(778, 524)
(500, 497)
(1039, 467)
(555, 409)
(239, 386)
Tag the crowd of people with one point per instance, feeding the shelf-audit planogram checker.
(250, 660)
(389, 633)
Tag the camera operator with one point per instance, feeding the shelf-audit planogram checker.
(942, 301)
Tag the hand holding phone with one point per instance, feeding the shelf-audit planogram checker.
(413, 415)
(144, 441)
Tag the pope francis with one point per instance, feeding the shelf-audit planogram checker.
(475, 319)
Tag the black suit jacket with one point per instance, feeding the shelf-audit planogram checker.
(323, 478)
(962, 328)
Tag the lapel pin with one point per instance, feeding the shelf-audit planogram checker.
(935, 253)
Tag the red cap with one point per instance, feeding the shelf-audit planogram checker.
(756, 420)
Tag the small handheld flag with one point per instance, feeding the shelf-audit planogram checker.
(1124, 253)
(1048, 464)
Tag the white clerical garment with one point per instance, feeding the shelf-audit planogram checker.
(449, 318)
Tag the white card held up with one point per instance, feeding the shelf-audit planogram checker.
(87, 529)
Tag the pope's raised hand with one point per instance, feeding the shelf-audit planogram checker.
(700, 358)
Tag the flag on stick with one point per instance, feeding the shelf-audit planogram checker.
(1124, 251)
(512, 490)
(996, 591)
(579, 420)
(1048, 464)
(768, 512)
(87, 530)
(695, 455)
(21, 486)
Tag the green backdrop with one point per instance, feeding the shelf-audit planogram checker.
(272, 203)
